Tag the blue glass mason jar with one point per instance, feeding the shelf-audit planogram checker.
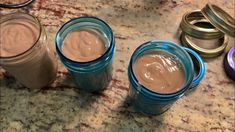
(153, 103)
(95, 75)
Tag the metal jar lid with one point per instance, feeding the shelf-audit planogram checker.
(205, 53)
(188, 26)
(220, 19)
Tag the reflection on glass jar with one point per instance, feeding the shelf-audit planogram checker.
(25, 53)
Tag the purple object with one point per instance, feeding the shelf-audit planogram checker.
(229, 64)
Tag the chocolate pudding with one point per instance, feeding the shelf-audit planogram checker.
(83, 45)
(160, 72)
(23, 54)
(17, 36)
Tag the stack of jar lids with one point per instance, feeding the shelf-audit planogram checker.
(220, 24)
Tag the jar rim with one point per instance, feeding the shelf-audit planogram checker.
(68, 24)
(35, 20)
(198, 63)
(185, 87)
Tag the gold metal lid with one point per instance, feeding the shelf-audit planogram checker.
(206, 53)
(188, 25)
(220, 19)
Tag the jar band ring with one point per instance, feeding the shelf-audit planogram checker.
(188, 25)
(14, 6)
(206, 53)
(220, 19)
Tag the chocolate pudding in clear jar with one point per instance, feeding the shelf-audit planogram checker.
(24, 51)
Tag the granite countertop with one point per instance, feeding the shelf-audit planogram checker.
(62, 107)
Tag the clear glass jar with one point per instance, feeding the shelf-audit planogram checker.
(150, 102)
(36, 67)
(93, 75)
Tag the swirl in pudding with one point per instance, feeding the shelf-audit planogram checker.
(160, 72)
(17, 36)
(83, 45)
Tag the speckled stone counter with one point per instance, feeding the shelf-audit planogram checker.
(62, 107)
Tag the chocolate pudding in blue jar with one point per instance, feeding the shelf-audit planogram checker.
(86, 47)
(159, 72)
